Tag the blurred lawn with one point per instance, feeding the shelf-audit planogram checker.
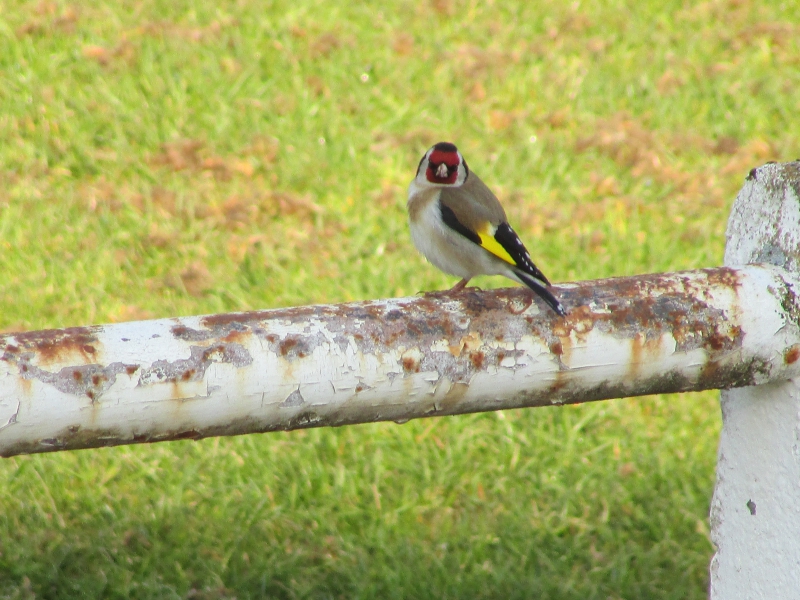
(162, 158)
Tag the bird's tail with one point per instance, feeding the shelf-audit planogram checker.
(541, 289)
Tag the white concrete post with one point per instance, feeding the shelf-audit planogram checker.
(755, 512)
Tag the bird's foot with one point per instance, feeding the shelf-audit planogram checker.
(461, 286)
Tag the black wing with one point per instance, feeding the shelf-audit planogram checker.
(511, 243)
(450, 219)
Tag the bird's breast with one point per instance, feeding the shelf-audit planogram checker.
(423, 203)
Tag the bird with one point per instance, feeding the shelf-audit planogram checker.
(459, 225)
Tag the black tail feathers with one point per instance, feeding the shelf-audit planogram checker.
(543, 292)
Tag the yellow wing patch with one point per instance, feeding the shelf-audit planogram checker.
(493, 246)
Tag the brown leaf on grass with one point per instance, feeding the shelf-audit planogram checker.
(164, 199)
(243, 211)
(752, 154)
(157, 238)
(597, 242)
(477, 92)
(124, 51)
(720, 67)
(725, 145)
(179, 155)
(572, 23)
(558, 118)
(324, 45)
(669, 82)
(474, 62)
(289, 203)
(102, 195)
(445, 8)
(168, 29)
(283, 104)
(403, 44)
(136, 200)
(660, 157)
(46, 8)
(238, 246)
(188, 155)
(96, 53)
(48, 18)
(264, 148)
(777, 34)
(605, 186)
(500, 119)
(67, 18)
(217, 166)
(239, 213)
(244, 167)
(596, 45)
(631, 145)
(196, 279)
(318, 86)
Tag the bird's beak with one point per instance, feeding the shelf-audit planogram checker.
(441, 171)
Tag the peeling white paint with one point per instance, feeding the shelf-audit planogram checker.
(395, 359)
(9, 409)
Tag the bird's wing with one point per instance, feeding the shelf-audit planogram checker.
(474, 212)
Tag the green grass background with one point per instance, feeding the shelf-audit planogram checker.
(169, 157)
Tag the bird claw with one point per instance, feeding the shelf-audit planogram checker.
(451, 292)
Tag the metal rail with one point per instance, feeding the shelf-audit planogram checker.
(396, 359)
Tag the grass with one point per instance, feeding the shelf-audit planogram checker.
(172, 158)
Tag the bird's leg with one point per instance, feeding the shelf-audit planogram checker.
(459, 286)
(451, 292)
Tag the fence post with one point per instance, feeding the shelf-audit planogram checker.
(755, 511)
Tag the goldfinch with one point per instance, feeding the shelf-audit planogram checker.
(457, 223)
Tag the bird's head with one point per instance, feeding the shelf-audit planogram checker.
(442, 165)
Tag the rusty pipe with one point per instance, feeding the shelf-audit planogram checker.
(397, 359)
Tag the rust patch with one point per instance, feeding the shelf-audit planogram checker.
(477, 358)
(410, 364)
(194, 367)
(636, 357)
(791, 355)
(722, 276)
(53, 345)
(520, 306)
(288, 344)
(91, 380)
(651, 305)
(643, 350)
(242, 320)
